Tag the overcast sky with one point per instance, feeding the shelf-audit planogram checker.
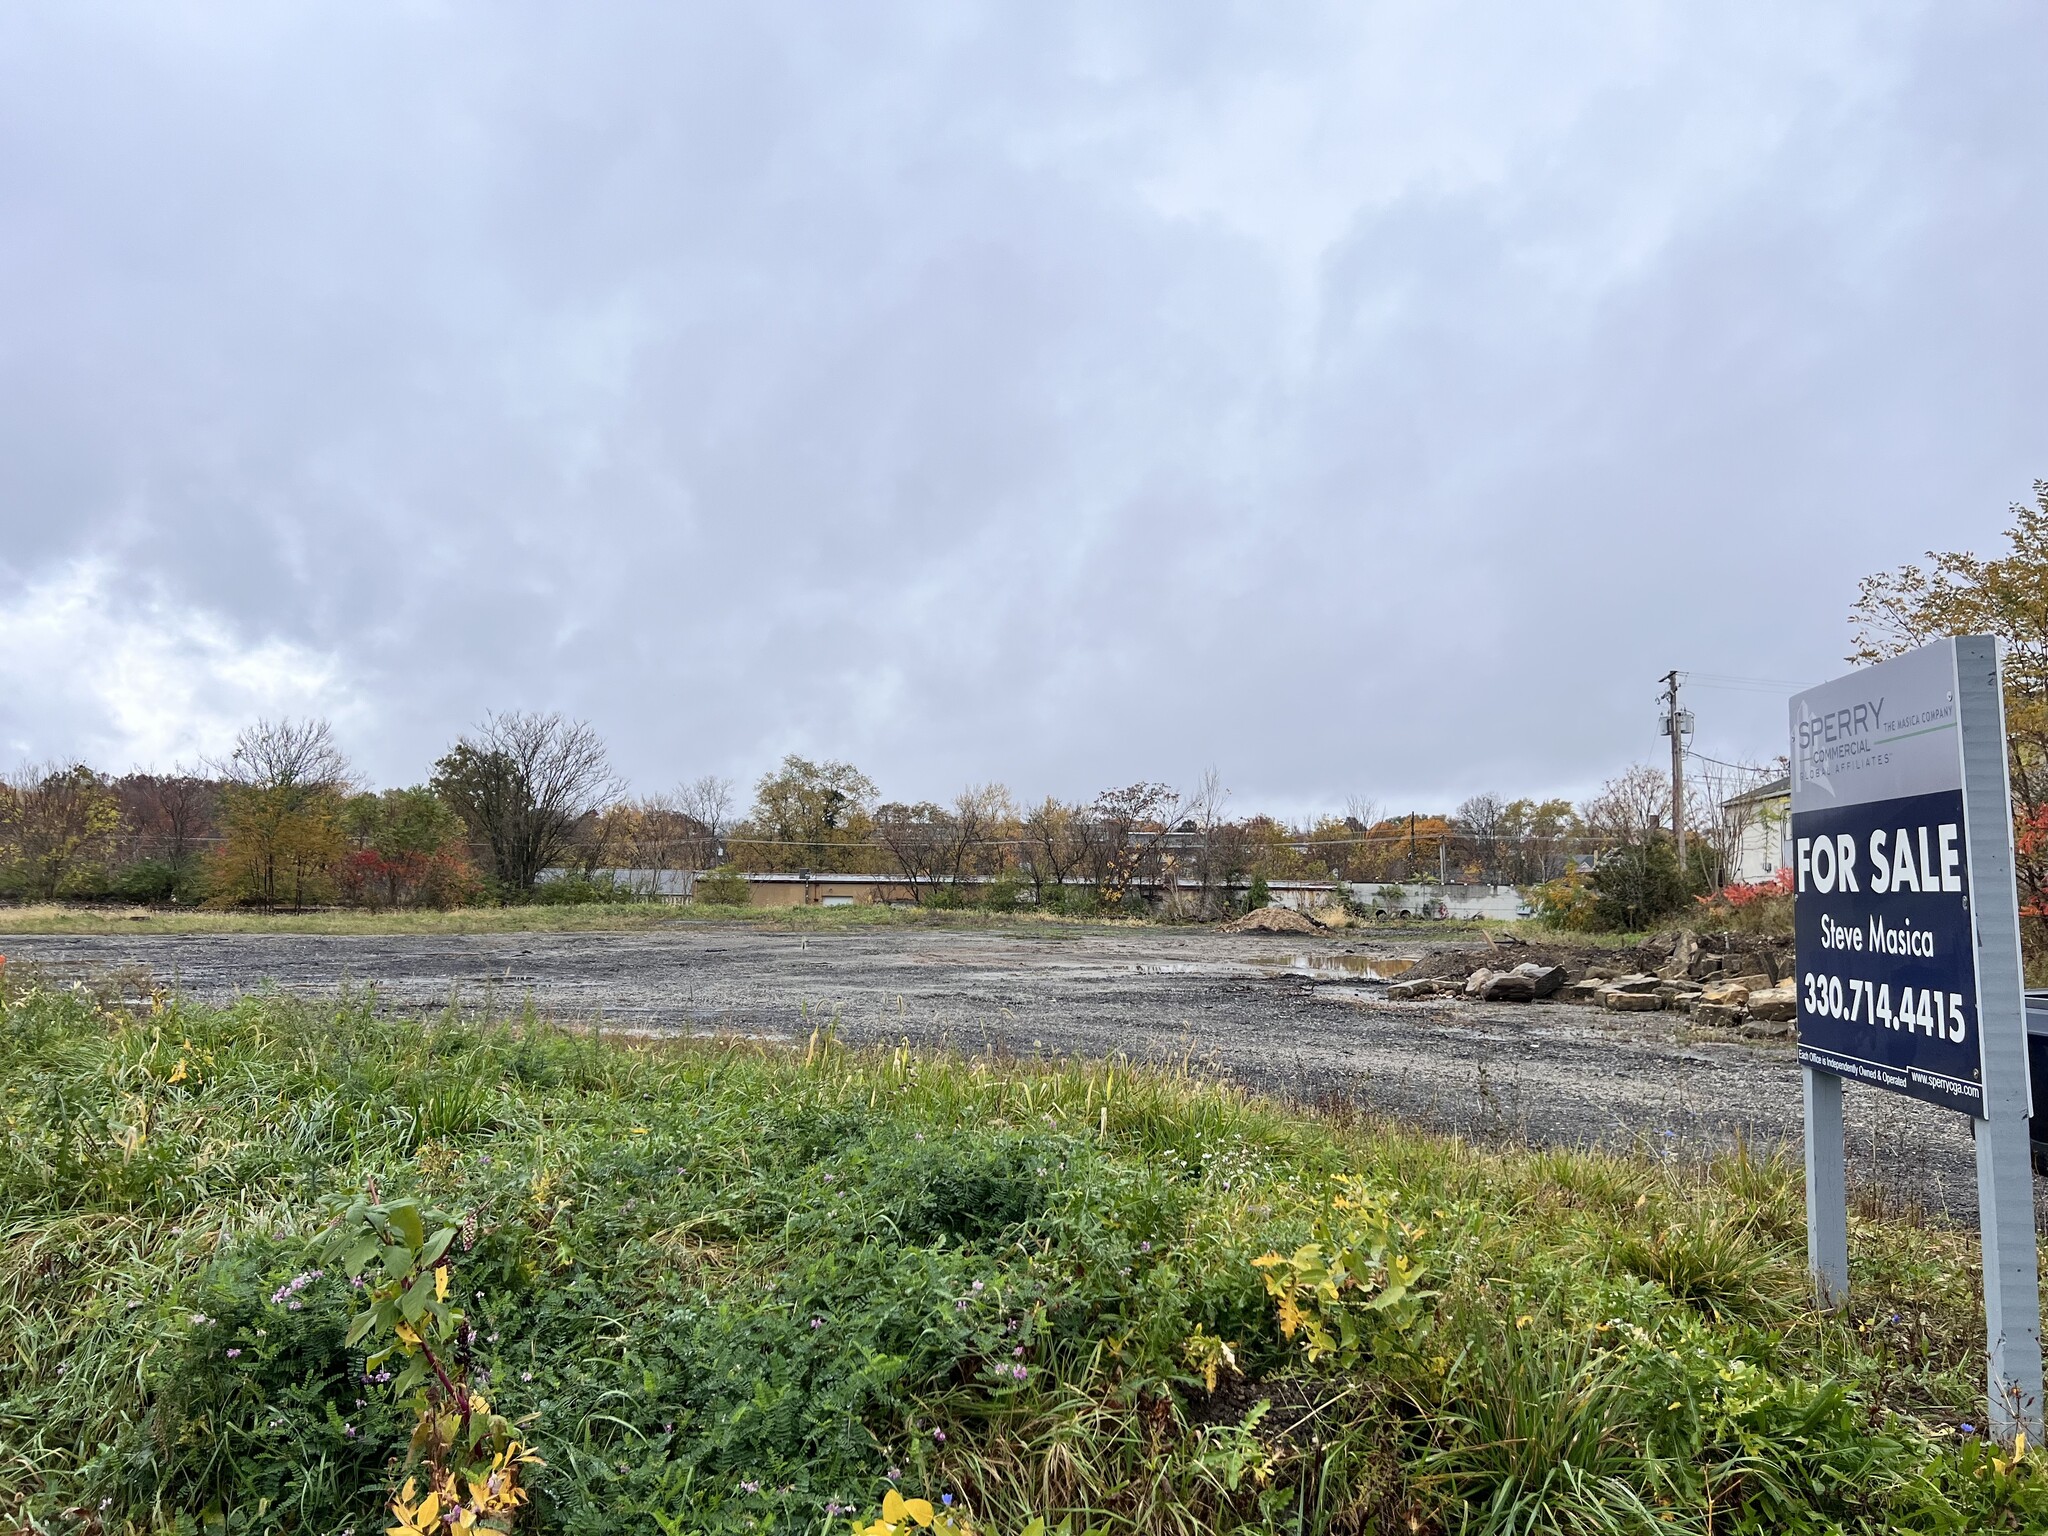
(1365, 400)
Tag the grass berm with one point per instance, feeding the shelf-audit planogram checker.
(738, 1289)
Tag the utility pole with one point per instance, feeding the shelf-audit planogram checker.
(1674, 726)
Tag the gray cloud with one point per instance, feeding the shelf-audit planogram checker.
(1360, 399)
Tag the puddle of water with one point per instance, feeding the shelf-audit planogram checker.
(1348, 967)
(1321, 967)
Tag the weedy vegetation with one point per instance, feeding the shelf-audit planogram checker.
(295, 1267)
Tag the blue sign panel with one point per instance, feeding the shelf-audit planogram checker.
(1887, 976)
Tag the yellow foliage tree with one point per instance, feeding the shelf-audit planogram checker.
(56, 823)
(281, 816)
(2007, 596)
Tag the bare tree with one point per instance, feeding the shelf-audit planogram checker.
(922, 840)
(1056, 846)
(1629, 808)
(708, 803)
(1709, 814)
(1482, 821)
(288, 755)
(939, 848)
(523, 782)
(168, 814)
(1216, 851)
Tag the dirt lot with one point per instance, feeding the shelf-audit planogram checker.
(1293, 1016)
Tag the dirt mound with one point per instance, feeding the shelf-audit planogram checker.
(1273, 920)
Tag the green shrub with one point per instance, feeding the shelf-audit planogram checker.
(725, 886)
(161, 880)
(579, 890)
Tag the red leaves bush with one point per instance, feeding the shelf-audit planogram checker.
(376, 880)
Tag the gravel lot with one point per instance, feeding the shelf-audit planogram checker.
(1294, 1017)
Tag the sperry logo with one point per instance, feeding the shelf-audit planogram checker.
(1841, 724)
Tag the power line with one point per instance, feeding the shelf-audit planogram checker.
(1732, 684)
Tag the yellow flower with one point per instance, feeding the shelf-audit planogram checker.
(177, 1072)
(896, 1509)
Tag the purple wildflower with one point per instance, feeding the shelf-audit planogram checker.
(234, 1354)
(283, 1295)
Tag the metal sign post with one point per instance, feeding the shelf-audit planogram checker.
(1909, 959)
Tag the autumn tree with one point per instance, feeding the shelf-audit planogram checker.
(57, 825)
(281, 821)
(815, 816)
(1538, 839)
(407, 848)
(659, 834)
(522, 783)
(1130, 828)
(1397, 848)
(2004, 595)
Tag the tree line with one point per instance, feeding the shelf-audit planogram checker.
(528, 807)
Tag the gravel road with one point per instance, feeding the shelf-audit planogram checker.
(1295, 1017)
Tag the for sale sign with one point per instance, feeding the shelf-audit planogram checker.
(1887, 966)
(1909, 960)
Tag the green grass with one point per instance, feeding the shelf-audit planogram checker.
(728, 1287)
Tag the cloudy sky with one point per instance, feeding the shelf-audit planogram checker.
(1370, 399)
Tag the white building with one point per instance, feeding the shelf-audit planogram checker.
(1756, 824)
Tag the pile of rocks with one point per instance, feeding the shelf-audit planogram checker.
(1753, 1004)
(1707, 977)
(1526, 983)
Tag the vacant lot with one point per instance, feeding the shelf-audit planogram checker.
(1294, 1017)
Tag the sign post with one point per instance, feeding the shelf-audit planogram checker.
(1909, 959)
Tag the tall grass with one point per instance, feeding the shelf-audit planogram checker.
(737, 1289)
